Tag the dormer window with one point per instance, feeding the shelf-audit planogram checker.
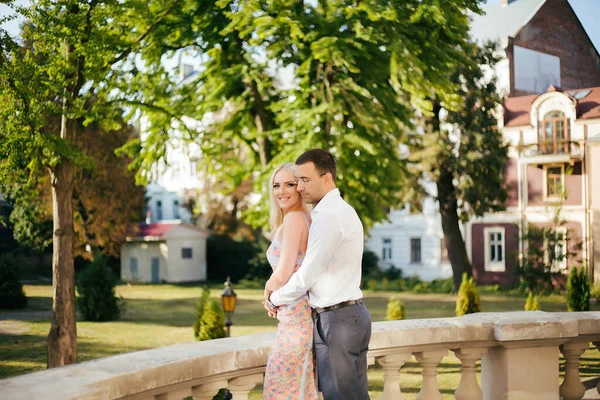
(554, 134)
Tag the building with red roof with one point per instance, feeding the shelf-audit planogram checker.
(554, 163)
(170, 251)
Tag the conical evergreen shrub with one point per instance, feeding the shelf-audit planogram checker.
(11, 289)
(210, 320)
(468, 301)
(532, 303)
(395, 309)
(578, 290)
(96, 297)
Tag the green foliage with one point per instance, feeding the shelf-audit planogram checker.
(532, 303)
(369, 263)
(460, 149)
(96, 297)
(578, 290)
(210, 320)
(11, 290)
(595, 292)
(238, 259)
(549, 247)
(361, 75)
(395, 309)
(468, 301)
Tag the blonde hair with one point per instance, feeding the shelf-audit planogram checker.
(276, 215)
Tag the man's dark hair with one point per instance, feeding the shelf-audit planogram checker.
(323, 160)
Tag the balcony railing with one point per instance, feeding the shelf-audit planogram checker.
(550, 148)
(519, 353)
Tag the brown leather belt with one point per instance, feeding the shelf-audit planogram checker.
(334, 307)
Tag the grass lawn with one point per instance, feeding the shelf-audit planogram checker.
(161, 315)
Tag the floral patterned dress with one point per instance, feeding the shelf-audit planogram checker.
(290, 373)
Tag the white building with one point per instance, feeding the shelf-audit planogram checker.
(164, 252)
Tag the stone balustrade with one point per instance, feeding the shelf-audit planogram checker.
(519, 353)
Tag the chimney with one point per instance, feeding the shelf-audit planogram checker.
(185, 70)
(504, 3)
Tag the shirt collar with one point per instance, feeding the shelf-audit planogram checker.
(328, 198)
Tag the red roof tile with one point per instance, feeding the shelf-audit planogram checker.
(517, 109)
(152, 230)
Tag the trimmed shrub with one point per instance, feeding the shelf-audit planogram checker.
(370, 263)
(578, 290)
(96, 298)
(595, 292)
(532, 303)
(11, 290)
(210, 320)
(395, 309)
(468, 301)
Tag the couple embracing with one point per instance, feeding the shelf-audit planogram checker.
(314, 290)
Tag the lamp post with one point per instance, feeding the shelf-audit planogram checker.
(228, 300)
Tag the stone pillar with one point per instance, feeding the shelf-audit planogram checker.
(391, 365)
(429, 360)
(208, 390)
(572, 388)
(521, 370)
(241, 387)
(468, 389)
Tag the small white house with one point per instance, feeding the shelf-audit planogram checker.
(170, 251)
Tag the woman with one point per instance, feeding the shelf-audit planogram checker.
(290, 370)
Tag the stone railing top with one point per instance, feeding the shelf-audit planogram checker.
(132, 373)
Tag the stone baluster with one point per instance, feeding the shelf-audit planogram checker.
(391, 365)
(597, 344)
(572, 388)
(468, 389)
(208, 390)
(241, 387)
(175, 394)
(429, 361)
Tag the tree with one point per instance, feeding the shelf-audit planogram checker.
(360, 69)
(71, 63)
(462, 151)
(106, 199)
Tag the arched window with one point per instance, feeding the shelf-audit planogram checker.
(554, 133)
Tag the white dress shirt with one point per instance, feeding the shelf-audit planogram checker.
(331, 270)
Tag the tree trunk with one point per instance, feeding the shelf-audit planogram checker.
(62, 339)
(457, 252)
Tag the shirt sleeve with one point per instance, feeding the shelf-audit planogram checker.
(324, 237)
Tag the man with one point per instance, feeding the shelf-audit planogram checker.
(331, 273)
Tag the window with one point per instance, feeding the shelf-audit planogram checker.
(186, 252)
(495, 259)
(386, 249)
(415, 250)
(176, 209)
(159, 215)
(554, 134)
(555, 247)
(133, 268)
(443, 251)
(554, 182)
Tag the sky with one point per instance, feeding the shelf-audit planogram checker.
(588, 12)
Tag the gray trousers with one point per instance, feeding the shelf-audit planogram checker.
(341, 343)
